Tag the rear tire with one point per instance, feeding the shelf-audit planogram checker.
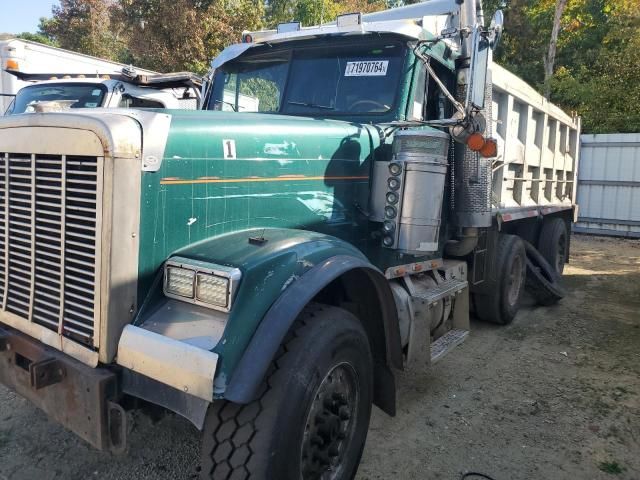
(503, 303)
(553, 243)
(312, 416)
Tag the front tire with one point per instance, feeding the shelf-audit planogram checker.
(312, 417)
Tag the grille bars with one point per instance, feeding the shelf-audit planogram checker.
(5, 245)
(49, 242)
(63, 201)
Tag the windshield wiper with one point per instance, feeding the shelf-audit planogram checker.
(227, 103)
(311, 105)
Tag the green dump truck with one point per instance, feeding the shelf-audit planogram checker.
(262, 268)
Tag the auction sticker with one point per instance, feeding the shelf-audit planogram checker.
(367, 68)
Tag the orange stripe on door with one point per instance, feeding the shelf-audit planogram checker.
(179, 181)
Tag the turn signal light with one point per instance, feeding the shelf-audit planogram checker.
(12, 65)
(490, 148)
(475, 142)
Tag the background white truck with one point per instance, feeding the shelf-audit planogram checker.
(129, 89)
(33, 57)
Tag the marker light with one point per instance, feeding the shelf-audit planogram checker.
(388, 226)
(475, 141)
(490, 148)
(390, 212)
(392, 198)
(395, 168)
(12, 65)
(349, 20)
(394, 183)
(288, 27)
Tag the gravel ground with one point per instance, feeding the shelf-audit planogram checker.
(555, 395)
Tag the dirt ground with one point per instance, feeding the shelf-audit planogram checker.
(555, 395)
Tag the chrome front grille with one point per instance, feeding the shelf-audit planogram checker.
(49, 219)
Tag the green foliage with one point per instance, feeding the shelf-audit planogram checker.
(38, 37)
(85, 26)
(314, 12)
(597, 60)
(611, 467)
(182, 34)
(266, 91)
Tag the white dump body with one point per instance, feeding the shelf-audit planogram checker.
(538, 147)
(33, 57)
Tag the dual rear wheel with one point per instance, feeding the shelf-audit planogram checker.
(519, 265)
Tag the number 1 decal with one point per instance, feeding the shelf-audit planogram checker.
(229, 149)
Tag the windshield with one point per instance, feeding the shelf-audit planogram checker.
(61, 97)
(311, 81)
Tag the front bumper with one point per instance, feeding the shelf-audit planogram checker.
(79, 397)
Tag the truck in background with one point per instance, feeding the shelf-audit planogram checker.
(181, 90)
(36, 58)
(264, 273)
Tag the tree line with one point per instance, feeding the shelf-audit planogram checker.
(596, 59)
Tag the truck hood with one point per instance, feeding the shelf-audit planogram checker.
(223, 172)
(239, 135)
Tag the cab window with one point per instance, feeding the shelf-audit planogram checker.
(62, 95)
(341, 80)
(127, 101)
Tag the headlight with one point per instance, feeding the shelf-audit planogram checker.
(212, 289)
(179, 281)
(202, 283)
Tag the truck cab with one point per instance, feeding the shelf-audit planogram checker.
(372, 79)
(60, 92)
(350, 193)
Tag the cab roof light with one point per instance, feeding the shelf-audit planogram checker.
(12, 65)
(288, 27)
(349, 20)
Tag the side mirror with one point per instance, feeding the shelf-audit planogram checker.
(495, 29)
(478, 71)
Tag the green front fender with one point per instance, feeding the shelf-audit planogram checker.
(268, 267)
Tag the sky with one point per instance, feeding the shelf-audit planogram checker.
(23, 15)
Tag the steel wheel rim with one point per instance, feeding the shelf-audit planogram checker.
(515, 280)
(330, 424)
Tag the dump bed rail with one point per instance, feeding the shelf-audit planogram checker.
(538, 145)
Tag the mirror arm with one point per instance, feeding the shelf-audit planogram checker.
(458, 106)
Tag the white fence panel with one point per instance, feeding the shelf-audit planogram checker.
(609, 184)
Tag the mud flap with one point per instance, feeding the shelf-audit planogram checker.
(543, 282)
